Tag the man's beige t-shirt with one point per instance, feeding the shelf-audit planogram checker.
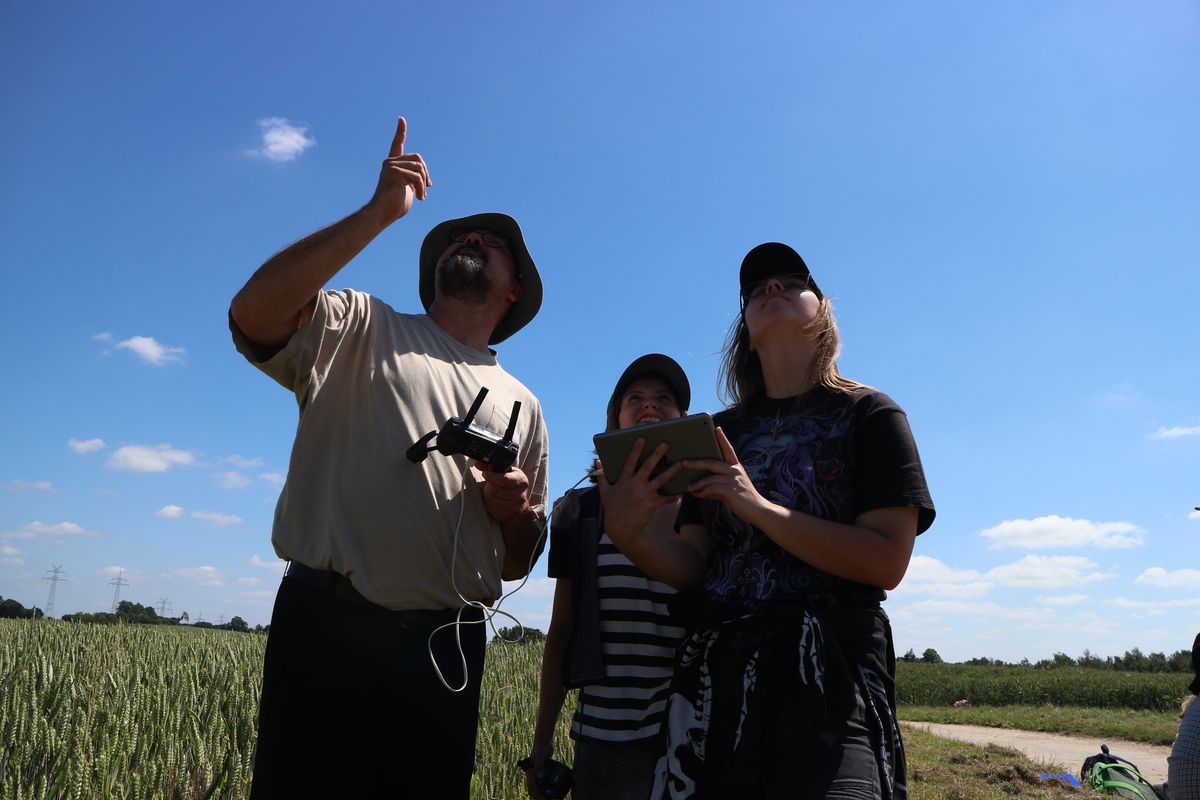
(370, 382)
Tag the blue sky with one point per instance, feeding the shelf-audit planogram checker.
(1000, 198)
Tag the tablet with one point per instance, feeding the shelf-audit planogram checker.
(692, 436)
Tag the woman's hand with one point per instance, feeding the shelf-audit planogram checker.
(632, 500)
(728, 483)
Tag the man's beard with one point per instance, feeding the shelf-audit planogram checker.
(464, 277)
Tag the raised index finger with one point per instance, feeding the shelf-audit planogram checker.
(398, 140)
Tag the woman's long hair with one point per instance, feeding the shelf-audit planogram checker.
(1195, 687)
(741, 377)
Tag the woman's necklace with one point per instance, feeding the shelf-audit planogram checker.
(776, 426)
(765, 453)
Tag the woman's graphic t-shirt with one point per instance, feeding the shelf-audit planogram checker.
(827, 453)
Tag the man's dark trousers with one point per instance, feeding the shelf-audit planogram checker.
(351, 705)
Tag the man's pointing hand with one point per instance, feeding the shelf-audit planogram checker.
(402, 177)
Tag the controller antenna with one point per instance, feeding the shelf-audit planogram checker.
(512, 420)
(475, 406)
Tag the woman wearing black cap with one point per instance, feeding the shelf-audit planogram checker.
(784, 684)
(610, 633)
(1183, 765)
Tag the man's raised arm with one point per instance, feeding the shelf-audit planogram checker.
(274, 302)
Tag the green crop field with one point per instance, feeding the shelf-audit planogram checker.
(941, 684)
(168, 712)
(135, 711)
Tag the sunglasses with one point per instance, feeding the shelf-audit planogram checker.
(791, 283)
(489, 239)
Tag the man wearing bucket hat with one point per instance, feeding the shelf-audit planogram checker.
(383, 550)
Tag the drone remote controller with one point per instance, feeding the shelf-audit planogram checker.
(460, 436)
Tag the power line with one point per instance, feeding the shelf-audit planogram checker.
(54, 579)
(164, 605)
(117, 583)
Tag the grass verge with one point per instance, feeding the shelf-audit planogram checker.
(944, 769)
(1153, 727)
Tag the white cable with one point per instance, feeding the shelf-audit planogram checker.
(489, 612)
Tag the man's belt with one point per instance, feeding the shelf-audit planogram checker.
(339, 586)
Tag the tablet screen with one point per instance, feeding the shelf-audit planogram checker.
(692, 436)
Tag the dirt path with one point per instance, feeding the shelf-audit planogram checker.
(1052, 748)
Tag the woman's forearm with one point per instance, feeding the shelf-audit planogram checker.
(875, 550)
(672, 561)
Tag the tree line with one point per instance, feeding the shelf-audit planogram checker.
(1133, 661)
(129, 613)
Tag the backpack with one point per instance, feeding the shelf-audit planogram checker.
(1112, 774)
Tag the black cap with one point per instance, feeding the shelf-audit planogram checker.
(658, 366)
(438, 239)
(771, 259)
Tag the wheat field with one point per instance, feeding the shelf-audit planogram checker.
(134, 711)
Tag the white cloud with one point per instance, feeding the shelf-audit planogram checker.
(1061, 599)
(84, 446)
(169, 512)
(205, 575)
(959, 591)
(31, 486)
(1043, 533)
(150, 458)
(929, 611)
(248, 581)
(925, 568)
(259, 596)
(927, 575)
(1194, 514)
(148, 349)
(58, 529)
(38, 529)
(1123, 602)
(103, 337)
(1178, 579)
(1143, 609)
(1050, 572)
(276, 479)
(282, 140)
(10, 556)
(232, 480)
(1123, 395)
(244, 463)
(274, 565)
(1177, 432)
(216, 518)
(534, 587)
(114, 571)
